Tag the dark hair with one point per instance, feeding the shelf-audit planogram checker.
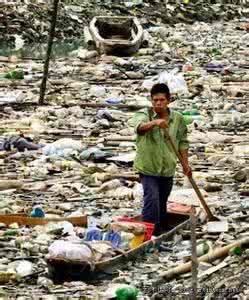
(161, 88)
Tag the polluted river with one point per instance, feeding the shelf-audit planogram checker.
(62, 202)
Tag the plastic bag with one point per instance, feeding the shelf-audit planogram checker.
(97, 91)
(175, 82)
(65, 227)
(138, 191)
(93, 153)
(24, 268)
(70, 251)
(62, 147)
(67, 143)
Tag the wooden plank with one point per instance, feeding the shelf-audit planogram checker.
(29, 221)
(212, 269)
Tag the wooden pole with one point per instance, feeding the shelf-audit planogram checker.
(194, 267)
(49, 50)
(211, 217)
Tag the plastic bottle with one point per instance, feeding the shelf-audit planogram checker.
(187, 119)
(235, 251)
(202, 248)
(113, 100)
(11, 232)
(193, 112)
(235, 116)
(37, 212)
(137, 241)
(127, 293)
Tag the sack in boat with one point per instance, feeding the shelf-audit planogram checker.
(69, 251)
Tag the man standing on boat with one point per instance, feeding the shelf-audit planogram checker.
(155, 159)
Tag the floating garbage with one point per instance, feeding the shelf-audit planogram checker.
(15, 75)
(84, 167)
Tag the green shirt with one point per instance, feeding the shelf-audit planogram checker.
(154, 154)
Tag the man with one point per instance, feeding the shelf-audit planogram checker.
(155, 160)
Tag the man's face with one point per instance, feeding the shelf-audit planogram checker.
(160, 102)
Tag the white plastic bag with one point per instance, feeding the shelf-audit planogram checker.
(70, 251)
(186, 196)
(175, 81)
(138, 192)
(62, 147)
(24, 268)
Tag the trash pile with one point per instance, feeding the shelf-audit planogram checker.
(28, 21)
(82, 166)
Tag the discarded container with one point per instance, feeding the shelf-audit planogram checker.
(15, 75)
(127, 293)
(37, 212)
(11, 232)
(236, 251)
(113, 100)
(221, 118)
(137, 241)
(97, 91)
(216, 227)
(202, 248)
(5, 277)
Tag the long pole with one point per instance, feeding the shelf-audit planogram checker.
(194, 267)
(211, 217)
(49, 50)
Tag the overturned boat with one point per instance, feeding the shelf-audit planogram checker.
(115, 35)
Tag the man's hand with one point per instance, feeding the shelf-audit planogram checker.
(162, 123)
(187, 171)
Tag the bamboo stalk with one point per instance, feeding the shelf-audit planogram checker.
(49, 50)
(210, 257)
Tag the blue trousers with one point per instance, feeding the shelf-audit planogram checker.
(156, 192)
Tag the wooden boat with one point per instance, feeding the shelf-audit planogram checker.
(62, 270)
(25, 220)
(115, 35)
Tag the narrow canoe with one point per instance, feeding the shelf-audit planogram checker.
(62, 270)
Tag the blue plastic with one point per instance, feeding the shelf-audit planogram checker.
(113, 101)
(94, 235)
(37, 212)
(114, 238)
